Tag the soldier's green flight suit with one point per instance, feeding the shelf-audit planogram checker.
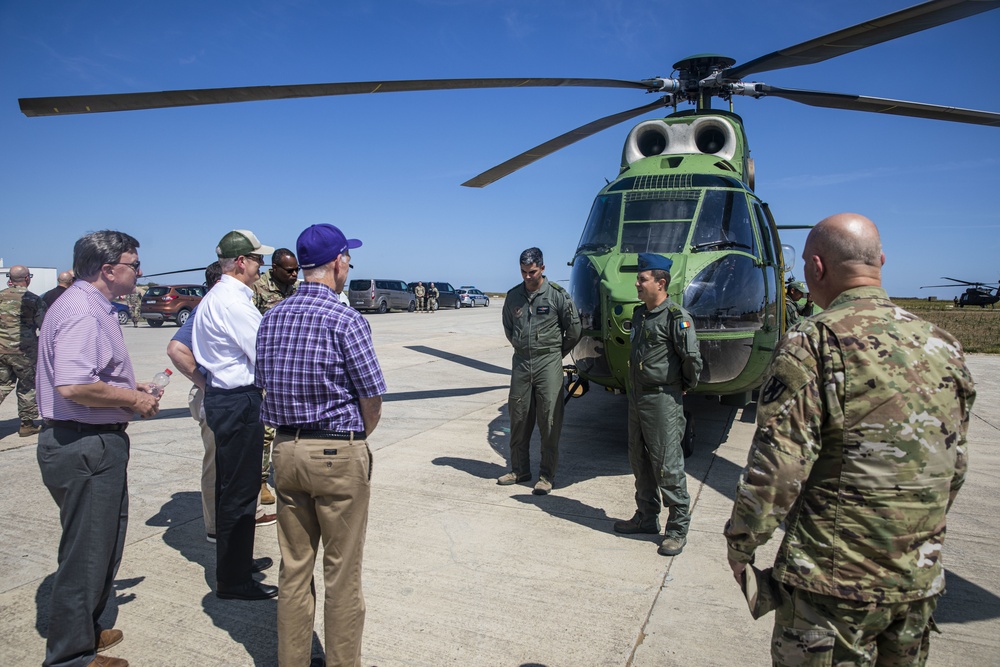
(860, 450)
(664, 362)
(543, 327)
(21, 313)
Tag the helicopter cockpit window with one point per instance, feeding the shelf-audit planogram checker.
(657, 222)
(727, 294)
(601, 231)
(724, 223)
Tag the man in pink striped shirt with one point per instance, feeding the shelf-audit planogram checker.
(87, 394)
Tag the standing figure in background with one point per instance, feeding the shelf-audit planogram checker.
(21, 314)
(64, 280)
(419, 292)
(270, 289)
(432, 298)
(541, 322)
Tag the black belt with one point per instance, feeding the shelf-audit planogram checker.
(235, 390)
(80, 427)
(321, 434)
(660, 389)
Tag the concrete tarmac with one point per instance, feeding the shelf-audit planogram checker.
(458, 570)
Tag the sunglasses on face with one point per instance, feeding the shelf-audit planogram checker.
(135, 265)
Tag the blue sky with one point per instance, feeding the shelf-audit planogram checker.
(387, 168)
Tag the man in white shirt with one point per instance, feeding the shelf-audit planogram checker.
(224, 340)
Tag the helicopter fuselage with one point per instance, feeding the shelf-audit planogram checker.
(684, 191)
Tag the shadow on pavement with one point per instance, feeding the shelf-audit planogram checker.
(250, 623)
(476, 468)
(581, 513)
(965, 601)
(43, 599)
(459, 359)
(437, 393)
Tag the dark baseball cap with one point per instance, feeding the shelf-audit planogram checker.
(241, 242)
(320, 244)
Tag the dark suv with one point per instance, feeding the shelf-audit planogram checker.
(173, 303)
(447, 296)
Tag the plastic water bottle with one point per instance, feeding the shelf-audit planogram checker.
(160, 381)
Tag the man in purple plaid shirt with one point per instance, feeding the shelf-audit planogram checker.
(324, 387)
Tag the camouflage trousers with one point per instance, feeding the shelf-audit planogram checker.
(19, 369)
(811, 629)
(265, 467)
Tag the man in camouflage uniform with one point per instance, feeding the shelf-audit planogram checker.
(541, 322)
(664, 363)
(134, 303)
(860, 450)
(270, 289)
(794, 291)
(278, 283)
(419, 293)
(21, 314)
(432, 297)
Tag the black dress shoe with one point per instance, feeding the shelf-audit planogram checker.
(250, 590)
(261, 564)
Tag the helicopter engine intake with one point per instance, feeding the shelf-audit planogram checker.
(704, 135)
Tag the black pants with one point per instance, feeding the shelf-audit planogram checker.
(86, 473)
(234, 417)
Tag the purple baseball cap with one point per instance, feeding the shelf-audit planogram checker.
(320, 244)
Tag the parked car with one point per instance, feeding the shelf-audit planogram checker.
(470, 297)
(381, 295)
(124, 314)
(170, 303)
(447, 295)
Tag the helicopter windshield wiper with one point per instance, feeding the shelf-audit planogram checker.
(720, 244)
(600, 247)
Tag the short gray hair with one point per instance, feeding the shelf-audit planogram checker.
(532, 256)
(316, 273)
(96, 249)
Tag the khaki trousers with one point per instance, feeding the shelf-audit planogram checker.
(322, 487)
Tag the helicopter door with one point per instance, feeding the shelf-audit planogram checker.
(772, 268)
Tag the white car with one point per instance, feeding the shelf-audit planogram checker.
(471, 296)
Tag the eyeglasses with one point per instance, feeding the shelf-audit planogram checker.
(294, 269)
(257, 258)
(134, 265)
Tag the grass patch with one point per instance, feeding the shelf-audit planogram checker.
(977, 328)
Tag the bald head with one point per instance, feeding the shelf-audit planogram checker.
(842, 252)
(65, 278)
(18, 274)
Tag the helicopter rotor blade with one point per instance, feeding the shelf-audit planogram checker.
(78, 104)
(170, 273)
(964, 282)
(936, 286)
(869, 33)
(560, 142)
(872, 104)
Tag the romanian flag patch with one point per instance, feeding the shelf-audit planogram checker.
(685, 324)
